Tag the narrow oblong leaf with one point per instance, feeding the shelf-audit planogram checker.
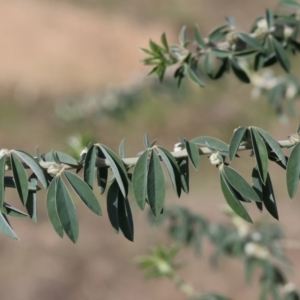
(193, 153)
(31, 206)
(239, 72)
(265, 192)
(83, 191)
(52, 209)
(172, 168)
(193, 76)
(182, 39)
(31, 200)
(117, 168)
(269, 198)
(212, 142)
(156, 186)
(261, 154)
(240, 184)
(184, 174)
(5, 228)
(89, 166)
(269, 18)
(112, 203)
(146, 141)
(2, 175)
(234, 203)
(236, 140)
(163, 40)
(9, 210)
(102, 174)
(139, 179)
(33, 165)
(293, 171)
(199, 38)
(274, 145)
(281, 55)
(254, 43)
(125, 218)
(66, 211)
(61, 158)
(20, 178)
(121, 149)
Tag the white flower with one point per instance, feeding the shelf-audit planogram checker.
(214, 159)
(256, 250)
(53, 169)
(241, 225)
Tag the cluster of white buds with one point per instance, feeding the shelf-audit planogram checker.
(294, 139)
(54, 169)
(178, 147)
(83, 153)
(241, 226)
(256, 250)
(215, 158)
(289, 287)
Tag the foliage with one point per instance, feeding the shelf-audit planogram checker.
(271, 39)
(260, 246)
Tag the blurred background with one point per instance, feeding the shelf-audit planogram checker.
(73, 67)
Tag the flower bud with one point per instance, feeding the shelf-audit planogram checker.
(214, 159)
(256, 250)
(53, 169)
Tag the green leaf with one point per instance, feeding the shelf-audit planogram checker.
(52, 208)
(31, 206)
(9, 182)
(172, 168)
(208, 66)
(2, 175)
(61, 157)
(199, 38)
(121, 149)
(33, 165)
(102, 174)
(184, 174)
(182, 39)
(164, 41)
(139, 179)
(5, 228)
(193, 153)
(240, 184)
(269, 18)
(84, 192)
(232, 201)
(193, 76)
(265, 191)
(31, 200)
(20, 178)
(112, 202)
(218, 32)
(211, 142)
(220, 53)
(117, 167)
(146, 141)
(274, 145)
(236, 140)
(249, 40)
(156, 186)
(125, 218)
(293, 171)
(261, 154)
(239, 71)
(9, 210)
(281, 55)
(89, 166)
(66, 211)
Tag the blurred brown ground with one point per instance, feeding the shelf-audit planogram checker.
(53, 49)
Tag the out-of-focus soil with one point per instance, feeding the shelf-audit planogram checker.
(49, 50)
